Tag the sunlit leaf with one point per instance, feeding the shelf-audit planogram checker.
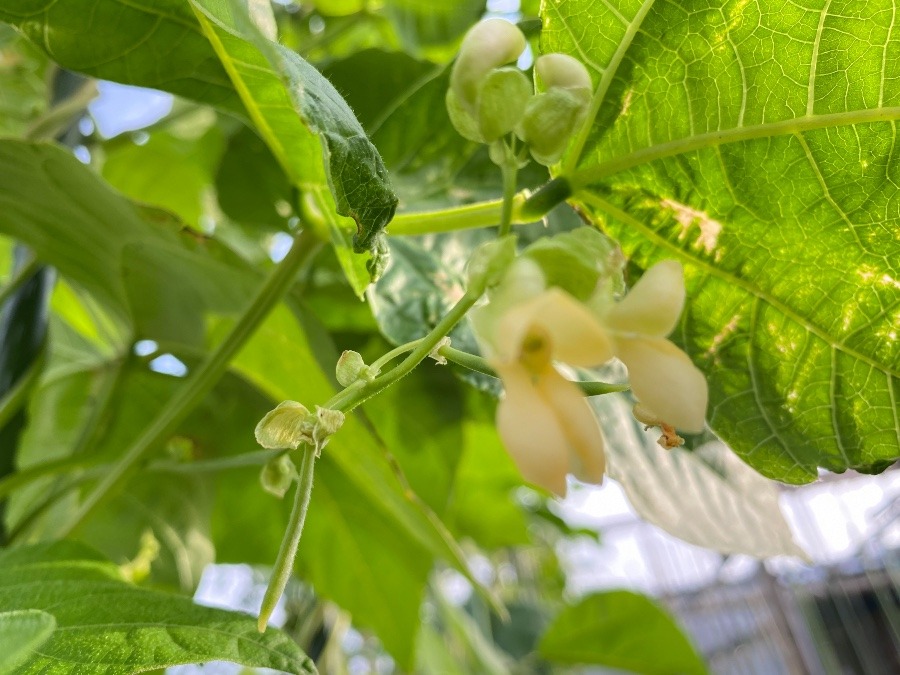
(753, 141)
(138, 629)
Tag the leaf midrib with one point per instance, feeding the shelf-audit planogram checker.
(662, 242)
(795, 126)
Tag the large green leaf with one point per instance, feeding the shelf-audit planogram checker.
(138, 629)
(309, 127)
(620, 629)
(754, 141)
(147, 43)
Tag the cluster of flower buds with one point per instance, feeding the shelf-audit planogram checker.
(489, 97)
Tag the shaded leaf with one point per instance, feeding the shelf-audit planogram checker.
(151, 44)
(304, 121)
(707, 497)
(620, 629)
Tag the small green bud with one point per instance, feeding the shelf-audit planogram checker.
(504, 95)
(489, 263)
(277, 475)
(350, 368)
(487, 46)
(553, 116)
(287, 426)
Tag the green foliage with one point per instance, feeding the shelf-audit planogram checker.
(105, 625)
(725, 135)
(729, 137)
(619, 629)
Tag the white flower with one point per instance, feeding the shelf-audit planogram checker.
(544, 420)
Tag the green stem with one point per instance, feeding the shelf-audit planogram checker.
(284, 563)
(19, 277)
(203, 380)
(351, 397)
(479, 365)
(470, 216)
(393, 354)
(510, 170)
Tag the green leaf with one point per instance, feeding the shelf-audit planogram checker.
(138, 629)
(169, 171)
(138, 263)
(22, 632)
(620, 629)
(151, 44)
(707, 496)
(482, 505)
(250, 184)
(301, 116)
(23, 83)
(753, 141)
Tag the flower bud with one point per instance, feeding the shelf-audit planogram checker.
(475, 97)
(350, 368)
(277, 475)
(286, 426)
(504, 94)
(553, 116)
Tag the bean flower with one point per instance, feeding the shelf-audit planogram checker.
(544, 420)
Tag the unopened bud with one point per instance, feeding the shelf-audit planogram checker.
(277, 475)
(350, 368)
(504, 95)
(286, 426)
(553, 116)
(488, 45)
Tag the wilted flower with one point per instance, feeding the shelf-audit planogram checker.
(544, 420)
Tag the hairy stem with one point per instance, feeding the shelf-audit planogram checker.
(284, 562)
(351, 397)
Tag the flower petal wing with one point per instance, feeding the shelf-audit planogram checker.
(653, 305)
(587, 459)
(531, 433)
(666, 381)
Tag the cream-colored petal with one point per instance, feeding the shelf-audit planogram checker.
(531, 433)
(523, 282)
(665, 381)
(653, 306)
(576, 336)
(587, 459)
